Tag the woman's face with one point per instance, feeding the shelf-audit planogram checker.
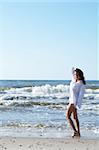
(76, 76)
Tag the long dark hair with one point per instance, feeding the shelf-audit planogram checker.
(81, 75)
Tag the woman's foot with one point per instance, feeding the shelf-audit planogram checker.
(76, 134)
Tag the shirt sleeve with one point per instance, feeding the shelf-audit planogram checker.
(81, 95)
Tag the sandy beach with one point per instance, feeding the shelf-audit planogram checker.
(13, 143)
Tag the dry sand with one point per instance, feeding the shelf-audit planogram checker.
(12, 143)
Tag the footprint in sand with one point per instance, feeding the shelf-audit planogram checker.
(3, 147)
(30, 146)
(20, 145)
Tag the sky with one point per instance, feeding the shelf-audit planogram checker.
(44, 40)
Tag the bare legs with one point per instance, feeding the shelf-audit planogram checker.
(77, 126)
(72, 110)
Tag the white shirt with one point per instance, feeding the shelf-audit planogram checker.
(77, 90)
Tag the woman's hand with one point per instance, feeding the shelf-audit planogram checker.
(73, 69)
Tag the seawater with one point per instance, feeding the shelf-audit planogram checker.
(37, 108)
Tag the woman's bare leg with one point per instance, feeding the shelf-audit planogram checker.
(76, 120)
(78, 127)
(68, 115)
(72, 124)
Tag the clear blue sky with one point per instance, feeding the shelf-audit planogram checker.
(44, 40)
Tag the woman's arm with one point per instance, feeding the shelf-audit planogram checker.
(81, 95)
(73, 69)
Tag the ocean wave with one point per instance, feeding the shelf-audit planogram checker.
(22, 103)
(33, 126)
(49, 126)
(92, 91)
(61, 91)
(46, 91)
(96, 131)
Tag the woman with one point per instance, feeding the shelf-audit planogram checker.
(77, 89)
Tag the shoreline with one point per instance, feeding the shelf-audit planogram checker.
(29, 143)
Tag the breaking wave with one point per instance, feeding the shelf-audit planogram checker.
(29, 96)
